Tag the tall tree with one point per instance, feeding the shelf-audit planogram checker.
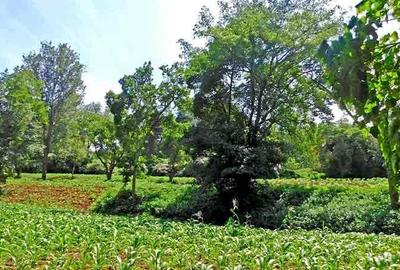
(139, 109)
(59, 69)
(20, 107)
(363, 70)
(257, 69)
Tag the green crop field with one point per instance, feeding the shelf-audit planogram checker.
(54, 235)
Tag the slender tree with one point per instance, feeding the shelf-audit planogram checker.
(59, 69)
(107, 147)
(139, 109)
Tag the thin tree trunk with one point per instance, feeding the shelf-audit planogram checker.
(134, 184)
(135, 169)
(47, 133)
(18, 171)
(73, 171)
(45, 162)
(393, 192)
(2, 176)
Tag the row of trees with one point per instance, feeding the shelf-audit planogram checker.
(262, 69)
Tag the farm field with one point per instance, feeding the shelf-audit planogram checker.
(58, 235)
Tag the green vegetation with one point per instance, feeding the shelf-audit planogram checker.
(362, 69)
(341, 205)
(73, 241)
(59, 238)
(240, 131)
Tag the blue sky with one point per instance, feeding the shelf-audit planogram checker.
(113, 37)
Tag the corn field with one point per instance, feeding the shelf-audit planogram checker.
(38, 238)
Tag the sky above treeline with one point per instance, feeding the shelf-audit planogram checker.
(112, 37)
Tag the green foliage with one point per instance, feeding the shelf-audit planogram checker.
(107, 148)
(352, 155)
(174, 128)
(121, 203)
(304, 144)
(257, 69)
(139, 109)
(73, 140)
(77, 241)
(21, 111)
(344, 212)
(362, 68)
(60, 71)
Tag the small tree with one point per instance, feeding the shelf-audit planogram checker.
(352, 154)
(172, 146)
(20, 106)
(139, 109)
(363, 71)
(106, 146)
(72, 143)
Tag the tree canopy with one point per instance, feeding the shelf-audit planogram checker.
(59, 69)
(258, 69)
(21, 109)
(362, 67)
(139, 109)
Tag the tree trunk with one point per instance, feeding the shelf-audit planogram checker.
(47, 133)
(393, 192)
(2, 177)
(109, 174)
(134, 184)
(44, 163)
(73, 171)
(171, 177)
(18, 172)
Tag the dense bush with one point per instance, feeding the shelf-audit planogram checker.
(345, 212)
(198, 204)
(352, 155)
(55, 165)
(270, 206)
(120, 203)
(338, 208)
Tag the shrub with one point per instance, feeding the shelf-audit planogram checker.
(352, 155)
(345, 212)
(199, 204)
(120, 204)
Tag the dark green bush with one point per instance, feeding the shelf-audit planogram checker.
(199, 204)
(346, 212)
(123, 203)
(352, 155)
